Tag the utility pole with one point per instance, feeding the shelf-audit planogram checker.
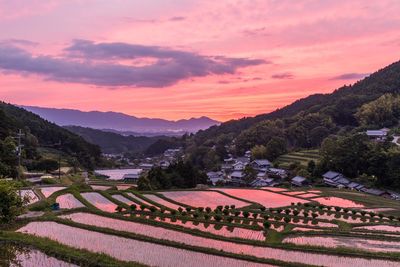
(19, 152)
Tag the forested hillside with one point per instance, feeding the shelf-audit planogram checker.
(334, 121)
(307, 121)
(39, 134)
(114, 143)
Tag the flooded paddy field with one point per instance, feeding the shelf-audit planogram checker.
(68, 201)
(12, 255)
(162, 201)
(344, 241)
(99, 201)
(160, 255)
(263, 197)
(210, 199)
(126, 249)
(48, 191)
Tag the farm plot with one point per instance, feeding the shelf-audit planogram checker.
(294, 193)
(48, 191)
(100, 187)
(161, 201)
(302, 157)
(344, 241)
(68, 201)
(308, 195)
(337, 201)
(210, 199)
(383, 228)
(138, 199)
(265, 198)
(160, 255)
(30, 195)
(27, 257)
(128, 249)
(123, 199)
(99, 201)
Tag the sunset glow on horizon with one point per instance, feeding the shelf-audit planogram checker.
(176, 59)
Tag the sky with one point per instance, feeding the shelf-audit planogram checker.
(176, 59)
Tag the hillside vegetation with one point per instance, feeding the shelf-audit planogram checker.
(371, 103)
(39, 133)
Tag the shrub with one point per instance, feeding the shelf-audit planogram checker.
(246, 214)
(314, 215)
(266, 217)
(287, 219)
(226, 207)
(173, 212)
(391, 217)
(201, 209)
(226, 211)
(180, 209)
(183, 213)
(195, 215)
(237, 213)
(278, 210)
(338, 209)
(133, 207)
(287, 211)
(296, 212)
(153, 209)
(142, 207)
(380, 215)
(188, 209)
(363, 213)
(217, 217)
(346, 210)
(292, 204)
(229, 219)
(206, 217)
(262, 208)
(233, 206)
(267, 225)
(277, 218)
(354, 212)
(220, 207)
(306, 205)
(208, 209)
(162, 210)
(118, 208)
(305, 214)
(255, 215)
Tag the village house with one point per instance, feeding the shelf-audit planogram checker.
(299, 181)
(214, 177)
(379, 135)
(260, 182)
(133, 176)
(260, 164)
(335, 179)
(275, 172)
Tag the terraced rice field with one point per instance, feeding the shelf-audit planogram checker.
(126, 249)
(31, 196)
(48, 191)
(274, 189)
(210, 199)
(308, 195)
(68, 201)
(302, 157)
(124, 186)
(99, 201)
(338, 202)
(100, 187)
(161, 201)
(27, 257)
(123, 199)
(236, 232)
(383, 228)
(265, 198)
(344, 241)
(134, 197)
(294, 193)
(160, 255)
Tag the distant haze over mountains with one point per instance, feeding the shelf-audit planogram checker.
(121, 122)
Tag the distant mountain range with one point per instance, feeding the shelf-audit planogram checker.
(127, 124)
